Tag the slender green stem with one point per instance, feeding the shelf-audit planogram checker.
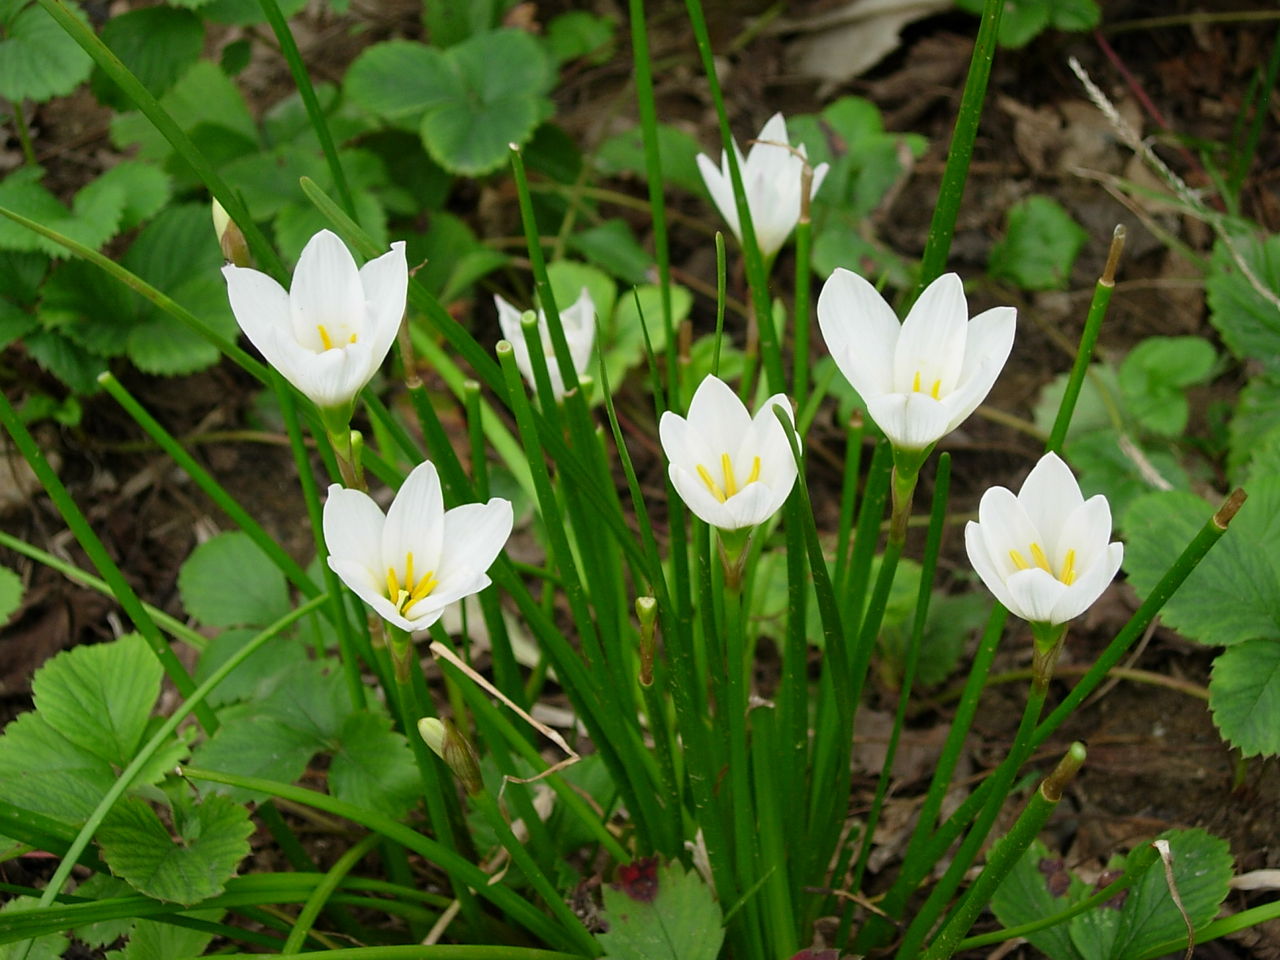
(721, 279)
(848, 494)
(960, 153)
(1007, 852)
(801, 321)
(24, 134)
(99, 557)
(302, 80)
(1243, 160)
(324, 889)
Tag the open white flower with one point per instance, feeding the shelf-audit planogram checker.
(1045, 552)
(732, 469)
(331, 331)
(417, 559)
(919, 379)
(579, 322)
(771, 178)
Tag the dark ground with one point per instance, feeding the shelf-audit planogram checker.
(1155, 758)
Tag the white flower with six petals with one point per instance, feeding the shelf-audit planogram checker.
(579, 323)
(417, 559)
(1044, 553)
(920, 378)
(733, 470)
(331, 331)
(771, 176)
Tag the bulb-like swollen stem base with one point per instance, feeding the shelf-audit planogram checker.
(347, 444)
(733, 554)
(1049, 638)
(906, 472)
(400, 643)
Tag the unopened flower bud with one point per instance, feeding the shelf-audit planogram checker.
(235, 249)
(454, 749)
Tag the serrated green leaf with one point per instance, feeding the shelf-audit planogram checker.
(257, 676)
(1155, 375)
(49, 947)
(614, 247)
(1097, 406)
(624, 153)
(43, 771)
(15, 323)
(10, 594)
(679, 920)
(1234, 594)
(146, 189)
(1040, 245)
(568, 278)
(1024, 896)
(1023, 20)
(100, 886)
(159, 344)
(192, 864)
(623, 336)
(38, 59)
(475, 112)
(253, 743)
(94, 219)
(299, 222)
(89, 307)
(21, 276)
(158, 44)
(1249, 322)
(373, 768)
(1256, 415)
(229, 582)
(100, 697)
(579, 33)
(268, 180)
(1244, 695)
(395, 81)
(69, 362)
(152, 940)
(1123, 471)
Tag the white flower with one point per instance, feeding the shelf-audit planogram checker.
(331, 331)
(1044, 553)
(732, 470)
(415, 561)
(771, 180)
(919, 379)
(579, 322)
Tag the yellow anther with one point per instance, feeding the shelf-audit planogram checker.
(730, 481)
(915, 383)
(936, 389)
(1069, 568)
(351, 339)
(324, 337)
(714, 487)
(1018, 562)
(755, 470)
(423, 589)
(1037, 554)
(408, 570)
(393, 583)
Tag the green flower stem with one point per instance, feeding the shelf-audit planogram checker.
(804, 278)
(1218, 928)
(1007, 852)
(191, 704)
(848, 493)
(646, 106)
(790, 763)
(168, 128)
(1001, 782)
(302, 80)
(1093, 323)
(324, 889)
(24, 134)
(214, 490)
(473, 403)
(99, 557)
(933, 544)
(757, 272)
(960, 153)
(174, 627)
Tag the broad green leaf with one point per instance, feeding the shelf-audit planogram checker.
(21, 276)
(66, 360)
(624, 336)
(188, 865)
(101, 886)
(660, 913)
(254, 743)
(43, 771)
(1039, 247)
(373, 768)
(1097, 406)
(49, 947)
(15, 323)
(298, 222)
(1255, 417)
(245, 12)
(89, 307)
(229, 582)
(836, 245)
(156, 43)
(202, 97)
(268, 179)
(151, 940)
(1039, 886)
(94, 219)
(160, 345)
(100, 697)
(1244, 695)
(613, 246)
(1024, 19)
(1265, 461)
(623, 153)
(38, 59)
(1155, 375)
(1121, 469)
(10, 594)
(1248, 322)
(580, 33)
(146, 190)
(443, 245)
(1234, 594)
(395, 80)
(568, 278)
(257, 676)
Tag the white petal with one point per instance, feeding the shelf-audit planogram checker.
(980, 557)
(352, 527)
(911, 420)
(931, 347)
(1033, 594)
(1087, 531)
(1089, 586)
(385, 281)
(455, 588)
(580, 330)
(326, 291)
(860, 330)
(474, 535)
(1005, 527)
(509, 320)
(699, 499)
(753, 504)
(1051, 497)
(819, 174)
(362, 584)
(721, 189)
(674, 435)
(987, 348)
(718, 415)
(768, 440)
(415, 523)
(261, 307)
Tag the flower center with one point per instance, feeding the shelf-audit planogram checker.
(934, 390)
(404, 594)
(730, 480)
(1068, 573)
(327, 340)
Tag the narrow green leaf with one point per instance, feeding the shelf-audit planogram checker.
(49, 947)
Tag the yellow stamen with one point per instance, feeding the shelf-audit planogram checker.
(730, 481)
(1037, 554)
(1018, 562)
(755, 470)
(915, 384)
(324, 337)
(408, 570)
(393, 583)
(935, 389)
(716, 492)
(423, 589)
(352, 339)
(1069, 568)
